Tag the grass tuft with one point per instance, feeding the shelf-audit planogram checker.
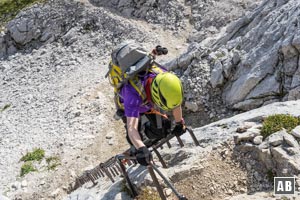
(10, 8)
(124, 187)
(26, 168)
(270, 175)
(275, 123)
(53, 162)
(37, 154)
(148, 194)
(6, 106)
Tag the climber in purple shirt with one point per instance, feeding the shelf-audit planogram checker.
(164, 91)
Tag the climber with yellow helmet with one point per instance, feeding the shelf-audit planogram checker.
(163, 92)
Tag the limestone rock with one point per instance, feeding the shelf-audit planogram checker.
(264, 156)
(285, 161)
(248, 104)
(296, 132)
(16, 185)
(109, 135)
(290, 140)
(24, 184)
(257, 77)
(294, 94)
(183, 61)
(191, 106)
(168, 192)
(216, 75)
(269, 86)
(254, 130)
(3, 197)
(292, 150)
(87, 196)
(258, 140)
(22, 30)
(247, 136)
(55, 193)
(276, 139)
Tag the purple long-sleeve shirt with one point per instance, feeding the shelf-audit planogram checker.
(133, 102)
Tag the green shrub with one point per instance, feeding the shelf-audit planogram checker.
(37, 154)
(53, 162)
(270, 175)
(10, 8)
(284, 198)
(6, 106)
(275, 123)
(26, 168)
(124, 187)
(148, 194)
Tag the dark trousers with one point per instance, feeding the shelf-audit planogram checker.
(152, 129)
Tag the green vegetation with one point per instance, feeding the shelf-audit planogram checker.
(6, 106)
(148, 194)
(124, 187)
(37, 154)
(26, 168)
(220, 54)
(10, 8)
(275, 123)
(284, 198)
(53, 162)
(223, 125)
(270, 175)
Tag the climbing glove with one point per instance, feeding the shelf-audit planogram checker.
(179, 128)
(143, 156)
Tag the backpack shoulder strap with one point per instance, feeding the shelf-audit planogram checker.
(138, 86)
(156, 68)
(136, 83)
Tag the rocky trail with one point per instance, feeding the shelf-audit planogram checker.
(220, 168)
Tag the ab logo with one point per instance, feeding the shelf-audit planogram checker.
(284, 185)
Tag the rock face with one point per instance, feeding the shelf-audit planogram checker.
(258, 160)
(39, 25)
(205, 20)
(62, 21)
(256, 61)
(267, 44)
(279, 153)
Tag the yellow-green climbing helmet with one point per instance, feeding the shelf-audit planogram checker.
(166, 91)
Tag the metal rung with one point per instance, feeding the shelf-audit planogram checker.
(111, 168)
